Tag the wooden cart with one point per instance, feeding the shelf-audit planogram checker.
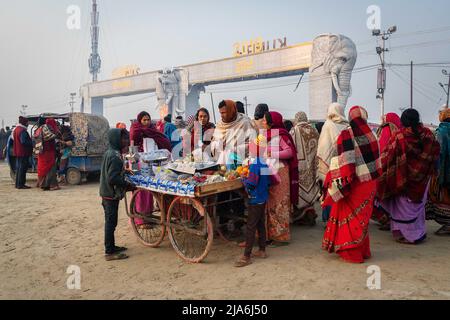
(190, 221)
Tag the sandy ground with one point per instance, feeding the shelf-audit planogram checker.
(42, 234)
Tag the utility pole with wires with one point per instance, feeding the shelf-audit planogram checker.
(447, 91)
(246, 104)
(382, 70)
(412, 84)
(72, 101)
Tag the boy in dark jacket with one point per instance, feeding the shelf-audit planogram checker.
(113, 187)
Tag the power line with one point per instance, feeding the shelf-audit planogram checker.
(425, 86)
(412, 45)
(130, 102)
(414, 33)
(261, 87)
(408, 83)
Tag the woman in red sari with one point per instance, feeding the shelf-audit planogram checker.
(391, 124)
(47, 134)
(283, 196)
(351, 188)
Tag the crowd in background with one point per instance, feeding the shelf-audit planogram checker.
(398, 176)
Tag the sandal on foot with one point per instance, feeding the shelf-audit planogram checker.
(243, 262)
(115, 256)
(260, 255)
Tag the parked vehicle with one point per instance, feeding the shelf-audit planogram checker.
(91, 142)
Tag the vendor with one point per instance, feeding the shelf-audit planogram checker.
(203, 130)
(139, 130)
(232, 134)
(143, 128)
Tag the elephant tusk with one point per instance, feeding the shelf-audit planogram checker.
(336, 84)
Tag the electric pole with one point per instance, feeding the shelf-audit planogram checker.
(94, 60)
(381, 51)
(72, 101)
(447, 91)
(412, 84)
(246, 105)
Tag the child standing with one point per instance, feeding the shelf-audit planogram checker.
(112, 189)
(257, 187)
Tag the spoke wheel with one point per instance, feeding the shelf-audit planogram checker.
(190, 229)
(151, 230)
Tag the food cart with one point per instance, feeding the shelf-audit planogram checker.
(187, 213)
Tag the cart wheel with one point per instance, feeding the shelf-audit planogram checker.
(152, 232)
(73, 176)
(191, 230)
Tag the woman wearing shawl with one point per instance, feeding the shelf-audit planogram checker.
(331, 129)
(438, 207)
(351, 189)
(203, 126)
(45, 137)
(282, 155)
(306, 140)
(143, 128)
(391, 124)
(408, 163)
(139, 130)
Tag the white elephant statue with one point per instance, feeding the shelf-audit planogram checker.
(171, 91)
(333, 56)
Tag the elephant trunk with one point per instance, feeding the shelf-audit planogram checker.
(344, 90)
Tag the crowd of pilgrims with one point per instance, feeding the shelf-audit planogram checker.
(398, 176)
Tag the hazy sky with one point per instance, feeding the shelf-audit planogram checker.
(42, 61)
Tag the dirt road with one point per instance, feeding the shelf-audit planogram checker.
(43, 233)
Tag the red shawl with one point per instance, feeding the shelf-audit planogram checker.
(138, 132)
(47, 159)
(278, 129)
(408, 163)
(357, 157)
(390, 126)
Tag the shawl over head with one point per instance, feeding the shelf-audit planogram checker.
(357, 156)
(277, 129)
(391, 124)
(306, 139)
(444, 115)
(230, 105)
(138, 132)
(408, 162)
(333, 126)
(233, 137)
(301, 117)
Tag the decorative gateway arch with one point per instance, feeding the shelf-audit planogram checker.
(330, 59)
